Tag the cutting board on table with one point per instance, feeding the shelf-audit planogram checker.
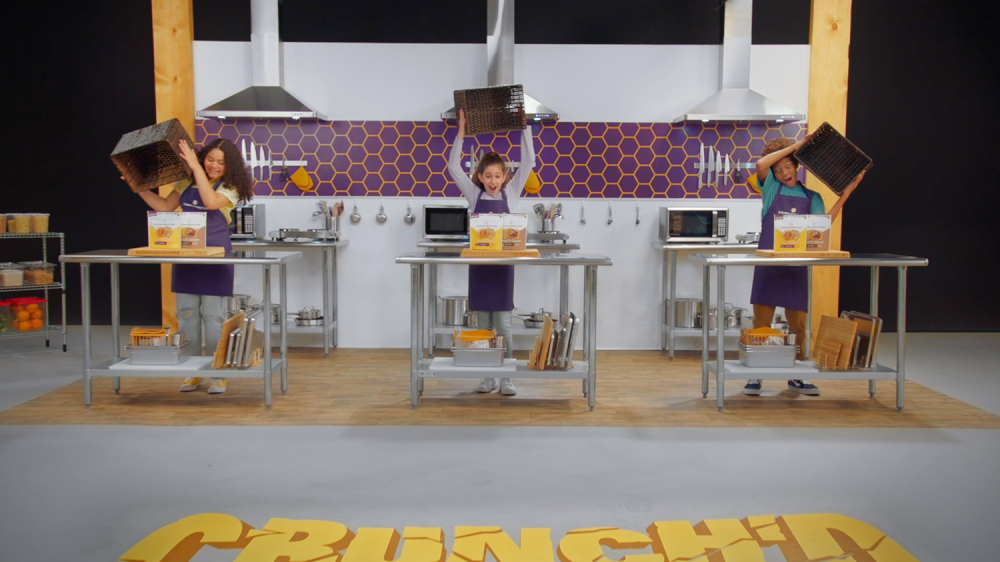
(210, 252)
(812, 254)
(470, 253)
(834, 342)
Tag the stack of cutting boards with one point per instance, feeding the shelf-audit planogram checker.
(539, 355)
(834, 342)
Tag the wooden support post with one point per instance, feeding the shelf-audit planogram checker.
(829, 41)
(173, 66)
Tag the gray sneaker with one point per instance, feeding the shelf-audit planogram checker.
(507, 387)
(487, 385)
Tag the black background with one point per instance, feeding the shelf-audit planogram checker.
(921, 105)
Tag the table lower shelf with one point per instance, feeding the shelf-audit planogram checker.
(801, 370)
(444, 367)
(201, 366)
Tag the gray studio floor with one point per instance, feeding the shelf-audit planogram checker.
(89, 493)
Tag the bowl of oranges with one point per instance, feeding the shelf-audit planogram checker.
(27, 314)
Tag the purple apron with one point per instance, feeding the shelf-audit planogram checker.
(779, 285)
(205, 279)
(491, 287)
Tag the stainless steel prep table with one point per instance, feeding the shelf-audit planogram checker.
(807, 369)
(118, 367)
(443, 247)
(669, 285)
(330, 306)
(444, 367)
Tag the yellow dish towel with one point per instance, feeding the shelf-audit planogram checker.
(302, 179)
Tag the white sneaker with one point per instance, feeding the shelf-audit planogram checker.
(487, 385)
(507, 387)
(191, 383)
(218, 386)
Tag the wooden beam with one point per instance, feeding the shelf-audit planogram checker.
(829, 42)
(173, 67)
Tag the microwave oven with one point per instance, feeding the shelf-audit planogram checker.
(247, 222)
(694, 224)
(446, 222)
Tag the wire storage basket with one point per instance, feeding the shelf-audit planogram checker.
(497, 109)
(832, 158)
(150, 157)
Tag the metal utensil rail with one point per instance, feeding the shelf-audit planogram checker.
(803, 369)
(421, 367)
(116, 368)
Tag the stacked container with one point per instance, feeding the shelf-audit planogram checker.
(28, 313)
(11, 275)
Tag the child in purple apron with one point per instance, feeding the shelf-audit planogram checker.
(774, 286)
(219, 181)
(492, 190)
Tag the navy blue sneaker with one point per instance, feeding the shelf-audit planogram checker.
(752, 388)
(803, 386)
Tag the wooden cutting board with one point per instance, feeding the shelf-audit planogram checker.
(210, 252)
(540, 353)
(834, 338)
(780, 254)
(470, 253)
(219, 360)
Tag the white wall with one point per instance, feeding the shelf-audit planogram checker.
(585, 84)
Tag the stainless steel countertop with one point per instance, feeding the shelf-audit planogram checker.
(872, 260)
(728, 247)
(544, 259)
(458, 246)
(259, 243)
(235, 258)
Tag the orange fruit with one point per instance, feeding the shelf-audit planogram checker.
(31, 307)
(37, 324)
(36, 314)
(24, 326)
(23, 316)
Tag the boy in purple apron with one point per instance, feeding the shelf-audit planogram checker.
(774, 286)
(219, 181)
(491, 190)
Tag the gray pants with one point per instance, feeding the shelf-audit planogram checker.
(192, 311)
(499, 321)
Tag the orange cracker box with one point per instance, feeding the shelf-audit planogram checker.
(515, 231)
(790, 233)
(193, 230)
(164, 229)
(818, 233)
(485, 231)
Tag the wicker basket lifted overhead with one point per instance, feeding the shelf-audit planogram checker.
(492, 110)
(150, 157)
(833, 159)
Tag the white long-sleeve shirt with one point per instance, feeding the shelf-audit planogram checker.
(513, 188)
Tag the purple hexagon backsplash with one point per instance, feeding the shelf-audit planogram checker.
(410, 158)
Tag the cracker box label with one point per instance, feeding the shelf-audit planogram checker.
(818, 233)
(485, 231)
(164, 229)
(193, 230)
(789, 233)
(515, 231)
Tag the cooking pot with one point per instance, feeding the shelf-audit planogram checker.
(235, 304)
(734, 317)
(534, 319)
(686, 313)
(455, 309)
(310, 313)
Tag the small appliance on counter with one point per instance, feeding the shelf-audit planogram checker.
(248, 222)
(446, 222)
(694, 224)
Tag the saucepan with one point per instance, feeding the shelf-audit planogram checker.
(534, 319)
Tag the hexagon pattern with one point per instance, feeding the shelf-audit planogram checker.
(409, 158)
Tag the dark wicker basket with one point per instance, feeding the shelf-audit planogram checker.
(492, 110)
(832, 158)
(150, 157)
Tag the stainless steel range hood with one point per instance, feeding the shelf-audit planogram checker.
(735, 101)
(266, 97)
(500, 59)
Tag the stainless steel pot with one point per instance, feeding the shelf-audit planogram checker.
(235, 304)
(310, 313)
(454, 310)
(712, 319)
(686, 312)
(734, 317)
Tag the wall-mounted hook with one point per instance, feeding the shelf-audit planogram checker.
(609, 214)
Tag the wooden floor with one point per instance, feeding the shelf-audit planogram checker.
(371, 387)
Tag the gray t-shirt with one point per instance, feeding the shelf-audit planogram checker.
(513, 188)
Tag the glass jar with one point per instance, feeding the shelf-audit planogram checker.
(11, 275)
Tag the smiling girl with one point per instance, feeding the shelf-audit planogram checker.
(492, 190)
(219, 181)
